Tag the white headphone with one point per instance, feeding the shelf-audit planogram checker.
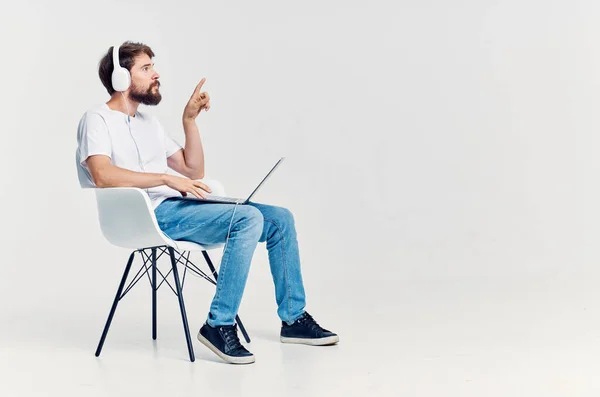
(121, 79)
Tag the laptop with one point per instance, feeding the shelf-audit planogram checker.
(210, 198)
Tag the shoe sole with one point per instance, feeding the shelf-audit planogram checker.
(330, 340)
(223, 356)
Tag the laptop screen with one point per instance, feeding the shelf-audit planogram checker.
(265, 178)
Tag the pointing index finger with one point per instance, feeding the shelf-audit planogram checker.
(200, 84)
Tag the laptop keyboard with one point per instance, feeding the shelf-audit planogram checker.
(225, 199)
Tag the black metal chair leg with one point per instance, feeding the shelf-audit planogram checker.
(242, 328)
(114, 305)
(154, 293)
(181, 304)
(216, 276)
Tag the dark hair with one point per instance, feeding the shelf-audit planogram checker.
(127, 53)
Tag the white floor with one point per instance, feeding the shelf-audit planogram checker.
(539, 336)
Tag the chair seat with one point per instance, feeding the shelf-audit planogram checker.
(190, 246)
(127, 219)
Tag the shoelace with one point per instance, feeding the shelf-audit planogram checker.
(231, 337)
(309, 322)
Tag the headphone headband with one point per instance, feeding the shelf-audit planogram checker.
(115, 54)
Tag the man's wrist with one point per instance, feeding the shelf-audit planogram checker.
(188, 120)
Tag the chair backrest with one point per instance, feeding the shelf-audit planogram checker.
(127, 219)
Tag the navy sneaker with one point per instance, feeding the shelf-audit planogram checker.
(224, 342)
(305, 330)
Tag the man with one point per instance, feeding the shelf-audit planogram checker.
(118, 145)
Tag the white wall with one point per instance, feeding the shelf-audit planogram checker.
(424, 139)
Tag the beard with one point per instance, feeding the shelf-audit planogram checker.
(147, 97)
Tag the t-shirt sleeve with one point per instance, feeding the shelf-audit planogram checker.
(171, 145)
(93, 137)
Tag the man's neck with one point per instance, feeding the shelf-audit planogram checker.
(117, 102)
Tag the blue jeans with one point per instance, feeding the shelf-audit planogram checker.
(207, 223)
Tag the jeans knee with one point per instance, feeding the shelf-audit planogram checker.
(252, 218)
(284, 216)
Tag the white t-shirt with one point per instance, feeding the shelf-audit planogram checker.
(105, 131)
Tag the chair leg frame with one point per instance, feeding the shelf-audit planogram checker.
(150, 266)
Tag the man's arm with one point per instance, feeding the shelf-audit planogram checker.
(190, 160)
(105, 174)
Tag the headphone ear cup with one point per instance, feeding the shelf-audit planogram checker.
(121, 79)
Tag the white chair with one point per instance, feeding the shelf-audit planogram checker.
(127, 220)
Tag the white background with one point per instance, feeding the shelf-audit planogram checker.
(441, 165)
